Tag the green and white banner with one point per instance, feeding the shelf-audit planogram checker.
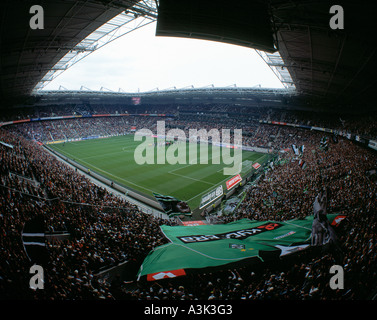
(245, 241)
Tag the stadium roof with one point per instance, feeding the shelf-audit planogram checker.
(29, 57)
(327, 66)
(248, 97)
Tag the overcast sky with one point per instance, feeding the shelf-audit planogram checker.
(142, 61)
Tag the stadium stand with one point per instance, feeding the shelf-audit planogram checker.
(106, 230)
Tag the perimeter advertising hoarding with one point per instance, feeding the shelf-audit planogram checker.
(211, 196)
(233, 182)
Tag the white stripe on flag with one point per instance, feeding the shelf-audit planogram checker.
(34, 244)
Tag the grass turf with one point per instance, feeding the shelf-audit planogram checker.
(114, 158)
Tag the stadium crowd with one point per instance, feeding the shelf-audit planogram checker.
(363, 125)
(106, 230)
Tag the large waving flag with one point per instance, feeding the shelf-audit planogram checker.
(33, 237)
(219, 246)
(322, 232)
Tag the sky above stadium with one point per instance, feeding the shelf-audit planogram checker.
(140, 61)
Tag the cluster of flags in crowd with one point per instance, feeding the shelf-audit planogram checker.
(322, 232)
(324, 144)
(298, 151)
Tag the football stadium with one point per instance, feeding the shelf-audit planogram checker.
(195, 193)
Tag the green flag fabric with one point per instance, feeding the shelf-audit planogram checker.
(242, 241)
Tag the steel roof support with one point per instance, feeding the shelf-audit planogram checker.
(140, 15)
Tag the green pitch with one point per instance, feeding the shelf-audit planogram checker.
(113, 158)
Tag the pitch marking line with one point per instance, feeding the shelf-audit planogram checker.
(187, 177)
(221, 182)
